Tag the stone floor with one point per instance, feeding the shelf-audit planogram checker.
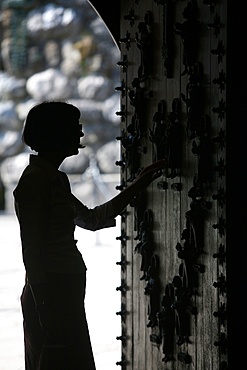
(101, 251)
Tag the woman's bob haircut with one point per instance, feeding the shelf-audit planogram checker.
(50, 125)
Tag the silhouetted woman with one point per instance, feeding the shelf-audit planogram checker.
(55, 327)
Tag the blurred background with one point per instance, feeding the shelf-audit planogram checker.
(60, 50)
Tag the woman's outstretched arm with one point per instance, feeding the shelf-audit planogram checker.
(103, 215)
(147, 175)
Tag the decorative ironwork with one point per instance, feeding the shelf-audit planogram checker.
(144, 42)
(189, 31)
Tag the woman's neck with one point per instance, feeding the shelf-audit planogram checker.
(54, 158)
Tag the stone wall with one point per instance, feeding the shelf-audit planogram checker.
(58, 50)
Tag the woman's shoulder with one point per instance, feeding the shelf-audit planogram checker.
(33, 178)
(34, 173)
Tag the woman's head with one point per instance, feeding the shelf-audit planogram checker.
(52, 126)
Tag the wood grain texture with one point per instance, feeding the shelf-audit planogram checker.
(170, 206)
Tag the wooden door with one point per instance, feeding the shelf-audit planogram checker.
(173, 240)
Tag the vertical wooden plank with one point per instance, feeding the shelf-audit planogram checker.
(210, 295)
(130, 292)
(187, 168)
(204, 299)
(220, 96)
(127, 299)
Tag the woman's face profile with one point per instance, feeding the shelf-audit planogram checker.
(73, 142)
